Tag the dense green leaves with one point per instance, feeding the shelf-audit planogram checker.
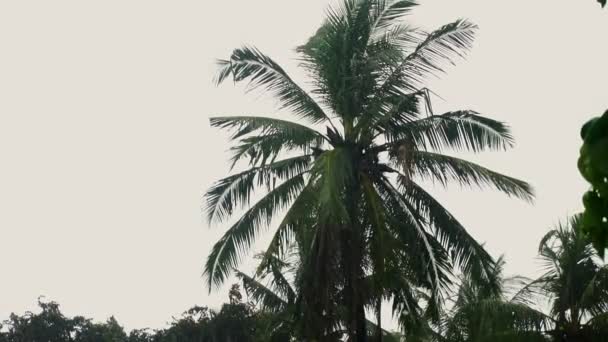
(467, 308)
(234, 321)
(457, 131)
(593, 165)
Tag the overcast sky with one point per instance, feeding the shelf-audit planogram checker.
(106, 150)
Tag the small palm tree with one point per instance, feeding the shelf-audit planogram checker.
(346, 176)
(487, 312)
(576, 284)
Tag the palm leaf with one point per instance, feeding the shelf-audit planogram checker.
(272, 136)
(386, 13)
(404, 220)
(439, 47)
(443, 168)
(261, 294)
(235, 191)
(262, 72)
(466, 251)
(461, 130)
(273, 267)
(243, 125)
(226, 253)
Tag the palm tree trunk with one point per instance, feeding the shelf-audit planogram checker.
(352, 260)
(355, 320)
(361, 323)
(379, 319)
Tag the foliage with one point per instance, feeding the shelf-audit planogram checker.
(567, 303)
(234, 322)
(575, 282)
(488, 313)
(593, 165)
(574, 285)
(48, 325)
(346, 175)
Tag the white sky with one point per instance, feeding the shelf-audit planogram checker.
(106, 150)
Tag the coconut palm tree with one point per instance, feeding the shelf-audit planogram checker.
(485, 312)
(575, 283)
(348, 171)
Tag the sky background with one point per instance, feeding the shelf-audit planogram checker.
(106, 149)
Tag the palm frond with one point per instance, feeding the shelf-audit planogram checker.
(405, 220)
(514, 316)
(272, 137)
(405, 306)
(261, 294)
(484, 318)
(227, 252)
(443, 168)
(261, 71)
(594, 298)
(466, 251)
(390, 116)
(235, 191)
(529, 293)
(388, 47)
(599, 325)
(439, 47)
(301, 216)
(272, 268)
(460, 130)
(387, 13)
(243, 125)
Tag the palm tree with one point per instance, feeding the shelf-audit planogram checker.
(485, 312)
(348, 172)
(576, 284)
